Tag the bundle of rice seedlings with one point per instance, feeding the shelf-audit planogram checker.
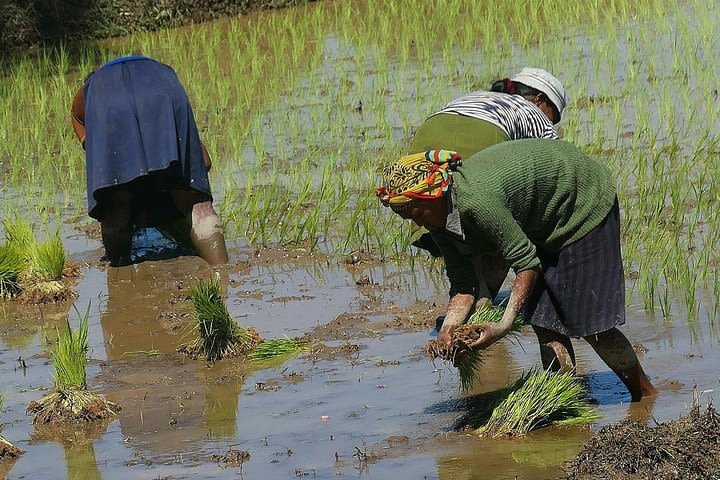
(218, 335)
(537, 399)
(12, 265)
(19, 233)
(43, 280)
(70, 402)
(35, 268)
(468, 361)
(275, 348)
(7, 449)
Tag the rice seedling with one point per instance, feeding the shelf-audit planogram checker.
(11, 266)
(32, 267)
(19, 233)
(539, 398)
(71, 402)
(273, 348)
(43, 280)
(468, 362)
(218, 335)
(7, 449)
(300, 97)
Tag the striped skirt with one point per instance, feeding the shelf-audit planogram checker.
(582, 289)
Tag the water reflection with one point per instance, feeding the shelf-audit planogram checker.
(171, 404)
(540, 455)
(81, 462)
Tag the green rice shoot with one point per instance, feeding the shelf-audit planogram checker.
(19, 232)
(11, 266)
(277, 348)
(71, 402)
(70, 356)
(469, 365)
(218, 334)
(48, 260)
(539, 398)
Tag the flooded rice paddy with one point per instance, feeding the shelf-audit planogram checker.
(363, 402)
(298, 108)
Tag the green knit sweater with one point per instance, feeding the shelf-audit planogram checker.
(518, 197)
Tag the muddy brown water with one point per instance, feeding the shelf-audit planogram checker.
(363, 403)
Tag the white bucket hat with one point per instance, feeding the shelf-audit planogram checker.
(547, 83)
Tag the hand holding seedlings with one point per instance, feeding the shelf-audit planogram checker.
(482, 203)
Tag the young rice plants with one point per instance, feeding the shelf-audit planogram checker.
(71, 402)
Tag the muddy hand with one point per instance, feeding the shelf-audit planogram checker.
(444, 338)
(487, 335)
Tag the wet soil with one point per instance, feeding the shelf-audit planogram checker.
(363, 400)
(235, 347)
(8, 450)
(60, 408)
(686, 448)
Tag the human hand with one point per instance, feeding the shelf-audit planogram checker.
(444, 338)
(487, 334)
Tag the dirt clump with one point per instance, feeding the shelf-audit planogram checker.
(71, 406)
(233, 458)
(8, 450)
(687, 448)
(461, 338)
(52, 291)
(235, 348)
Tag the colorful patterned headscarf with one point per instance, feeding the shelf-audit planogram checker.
(419, 176)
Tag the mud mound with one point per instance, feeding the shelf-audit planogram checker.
(235, 347)
(687, 449)
(8, 450)
(52, 291)
(74, 406)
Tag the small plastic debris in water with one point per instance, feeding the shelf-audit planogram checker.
(325, 418)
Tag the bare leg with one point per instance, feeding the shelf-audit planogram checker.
(205, 228)
(556, 350)
(617, 353)
(116, 226)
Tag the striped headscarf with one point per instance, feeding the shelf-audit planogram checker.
(424, 175)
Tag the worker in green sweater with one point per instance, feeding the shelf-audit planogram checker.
(552, 214)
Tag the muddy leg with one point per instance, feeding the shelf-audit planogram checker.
(205, 228)
(617, 353)
(116, 226)
(556, 350)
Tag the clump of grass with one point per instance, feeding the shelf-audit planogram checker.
(30, 266)
(538, 399)
(468, 361)
(278, 348)
(43, 279)
(48, 260)
(11, 266)
(218, 335)
(7, 449)
(70, 402)
(20, 234)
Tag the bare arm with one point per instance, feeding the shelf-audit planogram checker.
(521, 289)
(458, 311)
(77, 115)
(206, 157)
